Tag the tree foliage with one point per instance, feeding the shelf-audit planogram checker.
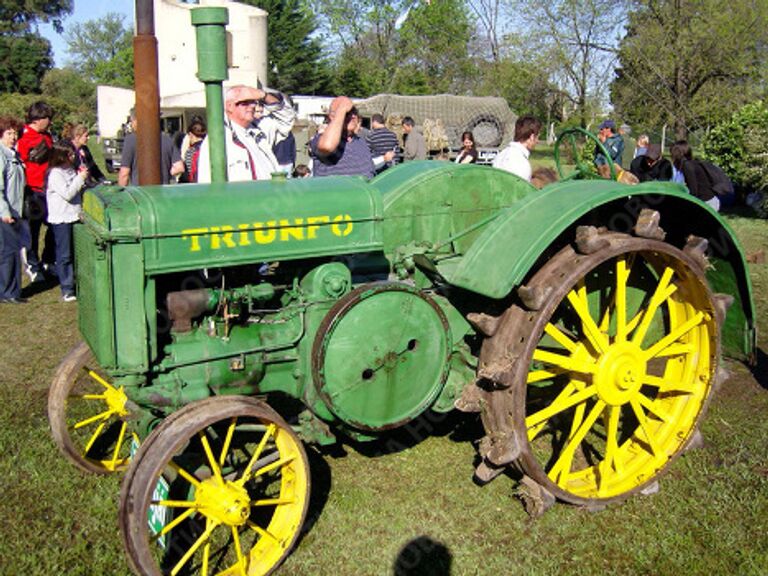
(102, 50)
(738, 145)
(24, 59)
(580, 39)
(690, 63)
(404, 46)
(19, 17)
(25, 55)
(296, 61)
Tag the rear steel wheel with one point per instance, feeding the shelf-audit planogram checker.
(613, 368)
(220, 487)
(88, 414)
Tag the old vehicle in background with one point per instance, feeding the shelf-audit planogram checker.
(227, 324)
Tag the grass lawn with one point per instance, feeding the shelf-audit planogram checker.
(417, 507)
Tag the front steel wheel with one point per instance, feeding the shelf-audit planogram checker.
(614, 369)
(88, 414)
(220, 487)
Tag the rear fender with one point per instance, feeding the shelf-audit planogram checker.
(517, 243)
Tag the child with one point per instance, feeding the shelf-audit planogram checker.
(64, 195)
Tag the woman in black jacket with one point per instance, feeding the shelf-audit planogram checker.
(695, 177)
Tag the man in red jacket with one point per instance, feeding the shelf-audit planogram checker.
(34, 148)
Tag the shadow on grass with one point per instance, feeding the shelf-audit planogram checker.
(455, 425)
(760, 369)
(320, 488)
(39, 287)
(423, 556)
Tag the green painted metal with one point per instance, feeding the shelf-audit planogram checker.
(435, 201)
(383, 357)
(252, 221)
(211, 35)
(513, 244)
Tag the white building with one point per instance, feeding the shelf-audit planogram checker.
(177, 59)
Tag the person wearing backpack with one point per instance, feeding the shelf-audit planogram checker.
(695, 175)
(34, 147)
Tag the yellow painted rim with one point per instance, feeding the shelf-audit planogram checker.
(627, 382)
(223, 501)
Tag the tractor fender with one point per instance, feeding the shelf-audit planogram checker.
(520, 240)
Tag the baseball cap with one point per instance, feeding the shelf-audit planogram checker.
(607, 124)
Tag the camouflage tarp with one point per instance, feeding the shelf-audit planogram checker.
(444, 117)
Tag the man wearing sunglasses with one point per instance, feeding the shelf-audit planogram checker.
(255, 121)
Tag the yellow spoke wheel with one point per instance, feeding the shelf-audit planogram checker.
(88, 415)
(615, 368)
(220, 487)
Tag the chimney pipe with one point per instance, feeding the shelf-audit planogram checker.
(147, 88)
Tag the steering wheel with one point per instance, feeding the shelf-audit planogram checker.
(584, 168)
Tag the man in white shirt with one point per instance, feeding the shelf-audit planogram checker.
(249, 146)
(515, 157)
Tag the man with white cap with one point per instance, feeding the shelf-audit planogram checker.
(248, 145)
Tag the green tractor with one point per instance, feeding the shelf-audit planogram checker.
(225, 325)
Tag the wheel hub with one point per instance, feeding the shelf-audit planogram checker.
(116, 401)
(620, 373)
(226, 503)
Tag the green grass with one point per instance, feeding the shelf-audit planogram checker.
(710, 517)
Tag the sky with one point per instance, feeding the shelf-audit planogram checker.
(84, 10)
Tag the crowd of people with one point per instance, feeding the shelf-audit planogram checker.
(42, 180)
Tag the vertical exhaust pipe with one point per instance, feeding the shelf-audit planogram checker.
(211, 34)
(147, 88)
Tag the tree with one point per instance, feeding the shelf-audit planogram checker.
(296, 63)
(24, 59)
(102, 50)
(406, 46)
(25, 55)
(434, 41)
(580, 38)
(19, 17)
(67, 85)
(690, 63)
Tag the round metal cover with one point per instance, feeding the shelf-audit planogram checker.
(381, 356)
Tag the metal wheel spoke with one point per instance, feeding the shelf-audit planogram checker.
(273, 502)
(660, 294)
(673, 336)
(209, 454)
(103, 416)
(539, 375)
(560, 338)
(184, 474)
(227, 440)
(192, 549)
(622, 275)
(238, 551)
(174, 503)
(262, 532)
(118, 445)
(248, 472)
(562, 467)
(561, 403)
(643, 420)
(668, 385)
(609, 462)
(676, 349)
(567, 363)
(93, 438)
(98, 379)
(578, 301)
(90, 396)
(175, 522)
(206, 551)
(648, 404)
(275, 465)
